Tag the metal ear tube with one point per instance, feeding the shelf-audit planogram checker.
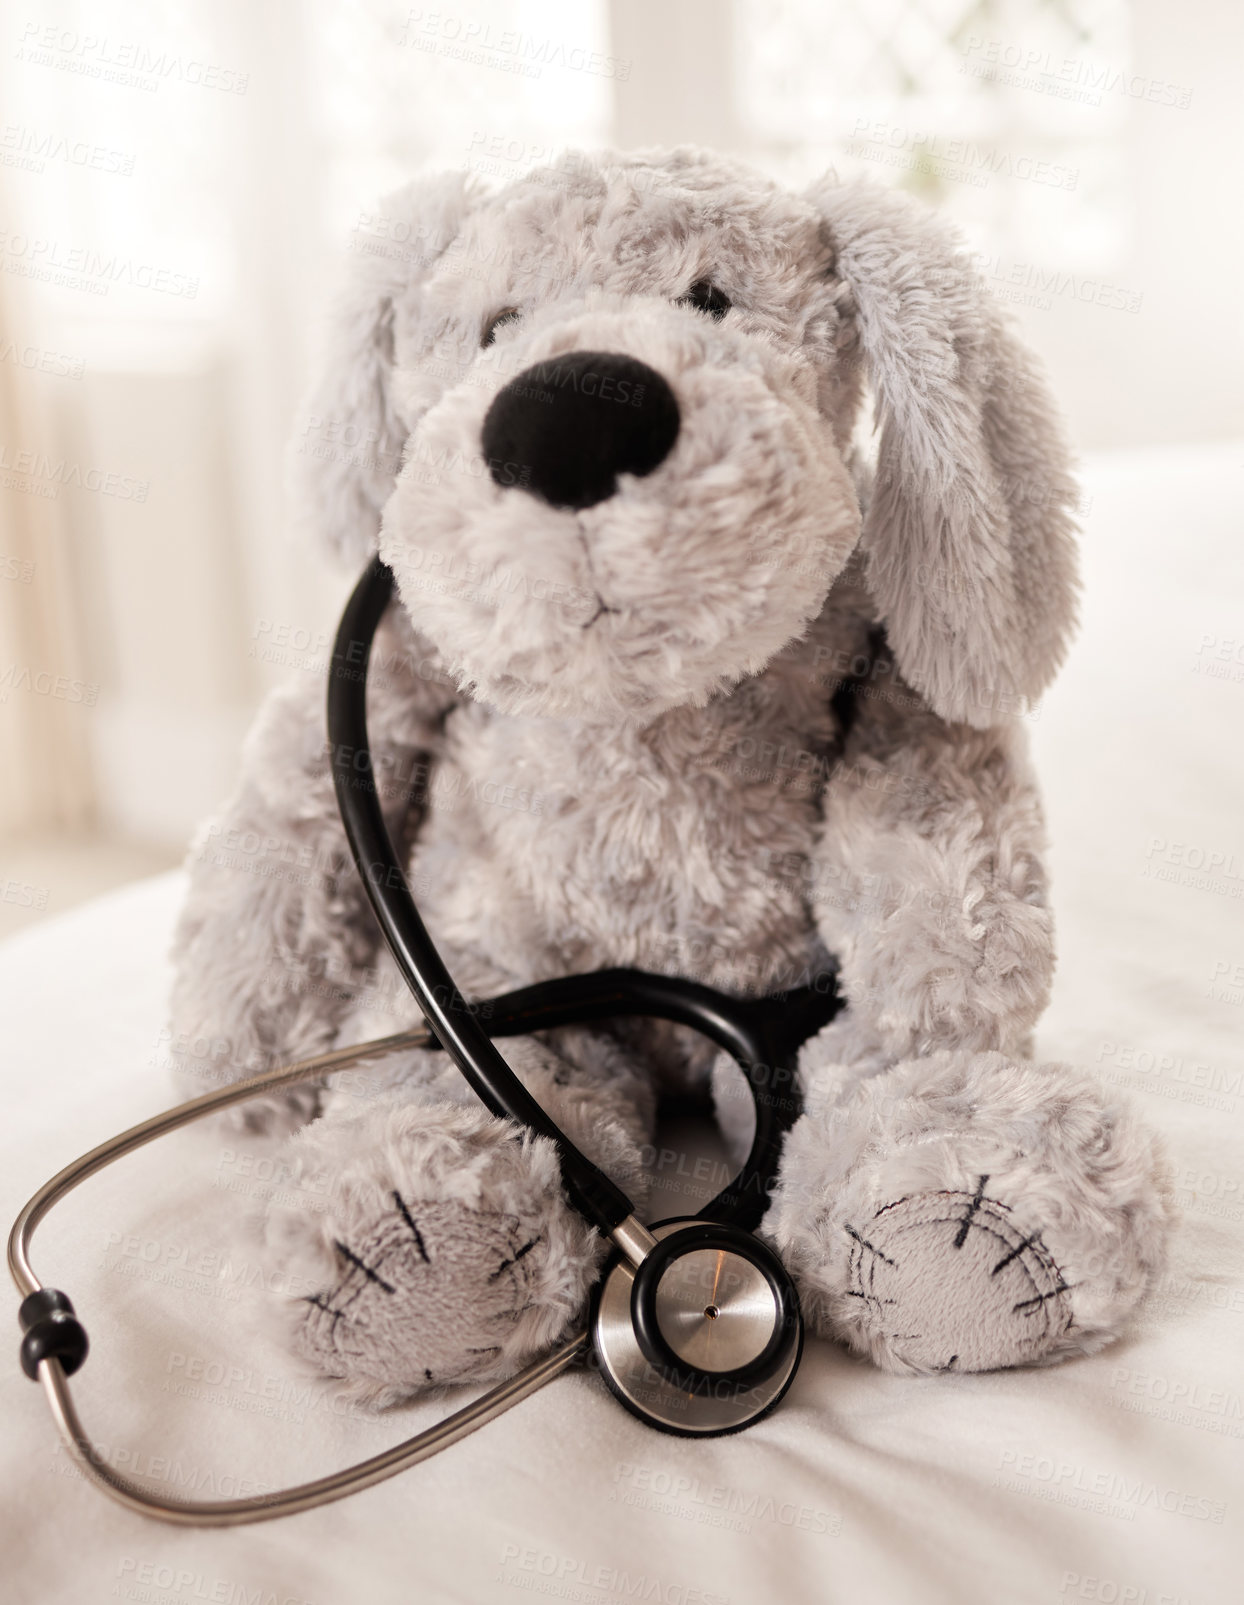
(695, 1323)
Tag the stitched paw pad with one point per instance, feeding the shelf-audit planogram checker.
(970, 1211)
(951, 1280)
(434, 1292)
(445, 1252)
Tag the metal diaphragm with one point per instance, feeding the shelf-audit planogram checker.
(717, 1312)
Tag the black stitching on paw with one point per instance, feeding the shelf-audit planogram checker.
(322, 1304)
(1033, 1259)
(410, 1221)
(961, 1236)
(372, 1276)
(506, 1263)
(856, 1261)
(1015, 1253)
(866, 1244)
(1028, 1303)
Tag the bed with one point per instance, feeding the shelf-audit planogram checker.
(1115, 1478)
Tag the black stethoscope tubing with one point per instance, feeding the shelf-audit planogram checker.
(762, 1034)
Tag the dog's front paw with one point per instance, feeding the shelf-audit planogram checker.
(446, 1252)
(429, 1294)
(954, 1280)
(969, 1211)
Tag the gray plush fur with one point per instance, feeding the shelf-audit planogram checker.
(610, 737)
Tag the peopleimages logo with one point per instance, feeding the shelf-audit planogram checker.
(36, 359)
(136, 1577)
(78, 267)
(1064, 77)
(467, 39)
(43, 683)
(1037, 284)
(127, 62)
(556, 375)
(1065, 1482)
(965, 160)
(557, 1575)
(713, 1504)
(33, 148)
(49, 474)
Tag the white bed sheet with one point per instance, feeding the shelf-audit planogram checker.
(1117, 1478)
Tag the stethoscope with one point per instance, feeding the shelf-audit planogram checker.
(694, 1324)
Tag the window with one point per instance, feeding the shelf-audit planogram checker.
(1008, 114)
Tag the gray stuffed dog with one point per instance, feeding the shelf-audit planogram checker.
(679, 679)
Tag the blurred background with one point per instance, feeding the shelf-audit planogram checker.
(179, 184)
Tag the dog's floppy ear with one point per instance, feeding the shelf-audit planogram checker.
(969, 531)
(351, 436)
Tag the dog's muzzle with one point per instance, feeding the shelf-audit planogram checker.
(566, 428)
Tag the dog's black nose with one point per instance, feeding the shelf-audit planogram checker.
(566, 428)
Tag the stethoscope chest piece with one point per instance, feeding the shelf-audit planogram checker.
(705, 1337)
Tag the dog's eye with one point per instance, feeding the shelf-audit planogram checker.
(497, 321)
(704, 296)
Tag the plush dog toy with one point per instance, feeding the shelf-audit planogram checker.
(679, 680)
